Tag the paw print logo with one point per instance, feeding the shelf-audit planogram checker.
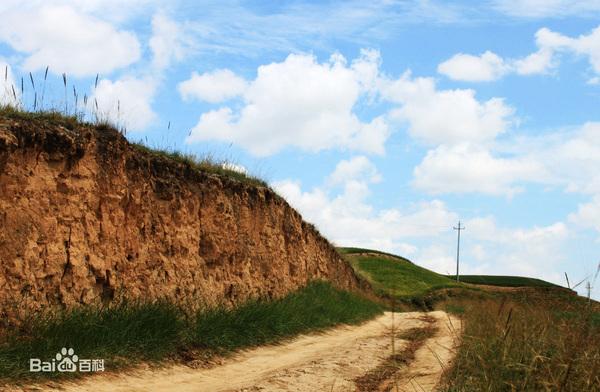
(67, 360)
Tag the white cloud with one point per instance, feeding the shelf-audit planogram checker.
(347, 218)
(125, 102)
(572, 158)
(539, 62)
(467, 168)
(9, 93)
(588, 214)
(567, 159)
(585, 45)
(489, 66)
(594, 81)
(216, 86)
(486, 67)
(168, 41)
(535, 251)
(548, 8)
(446, 116)
(438, 257)
(67, 40)
(357, 168)
(298, 102)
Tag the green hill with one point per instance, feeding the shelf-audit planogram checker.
(505, 281)
(394, 275)
(399, 277)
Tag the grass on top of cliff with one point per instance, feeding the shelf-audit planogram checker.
(128, 333)
(207, 163)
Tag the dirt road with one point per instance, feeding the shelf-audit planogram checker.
(357, 358)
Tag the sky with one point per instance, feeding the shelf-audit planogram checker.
(383, 122)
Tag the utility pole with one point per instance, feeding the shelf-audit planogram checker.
(459, 228)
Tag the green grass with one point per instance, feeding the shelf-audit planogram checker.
(128, 333)
(318, 306)
(398, 277)
(206, 164)
(506, 281)
(69, 121)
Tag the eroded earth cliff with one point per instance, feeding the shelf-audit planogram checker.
(86, 217)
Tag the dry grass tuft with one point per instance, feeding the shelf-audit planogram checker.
(528, 342)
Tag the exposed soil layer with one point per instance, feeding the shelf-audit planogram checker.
(86, 217)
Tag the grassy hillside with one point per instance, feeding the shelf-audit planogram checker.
(505, 281)
(394, 275)
(399, 277)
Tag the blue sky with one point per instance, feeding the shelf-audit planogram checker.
(383, 123)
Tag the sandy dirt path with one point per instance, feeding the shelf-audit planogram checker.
(329, 361)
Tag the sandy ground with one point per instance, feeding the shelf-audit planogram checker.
(423, 374)
(329, 361)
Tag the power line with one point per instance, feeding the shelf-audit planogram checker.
(459, 228)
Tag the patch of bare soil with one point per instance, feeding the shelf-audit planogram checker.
(411, 348)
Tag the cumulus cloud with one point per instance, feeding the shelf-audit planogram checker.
(540, 62)
(126, 102)
(67, 40)
(587, 45)
(214, 87)
(571, 157)
(446, 116)
(342, 212)
(588, 214)
(488, 66)
(566, 159)
(168, 42)
(523, 251)
(359, 168)
(468, 168)
(298, 102)
(9, 94)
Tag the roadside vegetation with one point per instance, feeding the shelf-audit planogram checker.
(527, 341)
(127, 333)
